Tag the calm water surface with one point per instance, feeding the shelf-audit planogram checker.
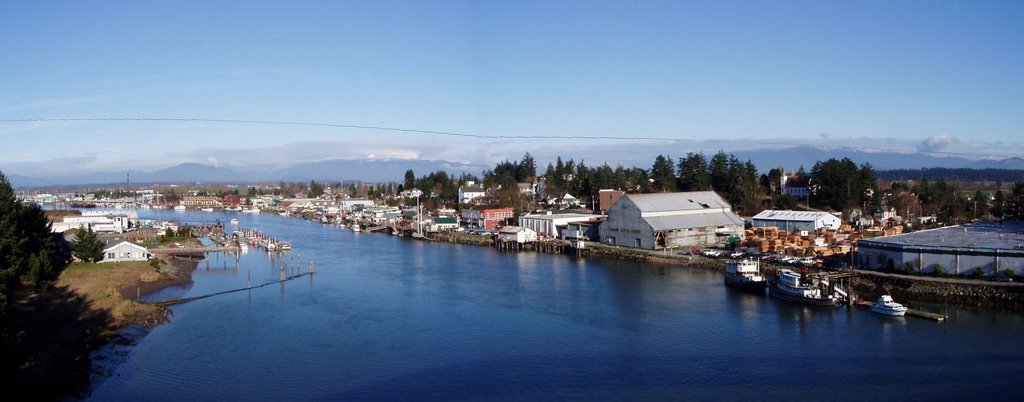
(385, 318)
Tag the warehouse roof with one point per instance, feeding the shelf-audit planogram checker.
(1006, 235)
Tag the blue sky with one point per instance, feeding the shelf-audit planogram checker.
(928, 75)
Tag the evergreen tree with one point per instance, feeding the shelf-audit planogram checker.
(1015, 203)
(664, 174)
(693, 173)
(315, 189)
(87, 246)
(410, 179)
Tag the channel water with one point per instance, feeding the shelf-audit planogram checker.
(388, 318)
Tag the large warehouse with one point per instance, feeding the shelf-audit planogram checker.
(668, 220)
(795, 221)
(994, 247)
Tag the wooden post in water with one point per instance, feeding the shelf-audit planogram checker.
(249, 286)
(311, 266)
(138, 294)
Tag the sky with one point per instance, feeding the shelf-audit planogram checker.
(77, 78)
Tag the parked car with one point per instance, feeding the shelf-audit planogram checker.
(736, 254)
(711, 253)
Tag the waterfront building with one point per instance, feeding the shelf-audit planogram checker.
(993, 247)
(196, 202)
(486, 218)
(795, 221)
(669, 220)
(517, 234)
(549, 224)
(125, 251)
(441, 223)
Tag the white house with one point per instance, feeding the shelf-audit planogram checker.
(125, 251)
(517, 234)
(797, 220)
(469, 192)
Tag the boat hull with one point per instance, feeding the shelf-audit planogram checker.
(885, 311)
(778, 294)
(753, 287)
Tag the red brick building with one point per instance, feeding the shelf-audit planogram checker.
(487, 218)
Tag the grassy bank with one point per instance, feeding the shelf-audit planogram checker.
(62, 325)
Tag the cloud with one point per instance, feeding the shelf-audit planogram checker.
(937, 143)
(212, 161)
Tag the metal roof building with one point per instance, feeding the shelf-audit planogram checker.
(797, 220)
(993, 247)
(668, 220)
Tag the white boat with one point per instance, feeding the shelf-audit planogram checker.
(252, 210)
(799, 288)
(179, 207)
(745, 275)
(206, 209)
(244, 247)
(233, 209)
(886, 305)
(285, 246)
(356, 228)
(234, 221)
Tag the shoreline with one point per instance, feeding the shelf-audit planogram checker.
(970, 293)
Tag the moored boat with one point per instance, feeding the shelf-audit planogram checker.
(179, 207)
(234, 221)
(798, 288)
(745, 275)
(206, 209)
(886, 305)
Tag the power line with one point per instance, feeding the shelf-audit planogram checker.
(486, 136)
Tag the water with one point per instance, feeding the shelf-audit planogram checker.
(385, 318)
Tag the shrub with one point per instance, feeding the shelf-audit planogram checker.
(978, 273)
(939, 270)
(909, 268)
(1010, 273)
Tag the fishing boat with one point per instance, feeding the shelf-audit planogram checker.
(745, 275)
(799, 288)
(886, 305)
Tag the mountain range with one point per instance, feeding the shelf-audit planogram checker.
(393, 170)
(373, 170)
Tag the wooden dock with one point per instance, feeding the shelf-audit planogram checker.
(910, 312)
(195, 250)
(172, 302)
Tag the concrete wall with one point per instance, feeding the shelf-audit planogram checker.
(953, 261)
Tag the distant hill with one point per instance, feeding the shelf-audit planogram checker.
(962, 174)
(794, 157)
(373, 170)
(369, 170)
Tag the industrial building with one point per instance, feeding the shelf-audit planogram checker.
(669, 220)
(795, 221)
(993, 247)
(548, 224)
